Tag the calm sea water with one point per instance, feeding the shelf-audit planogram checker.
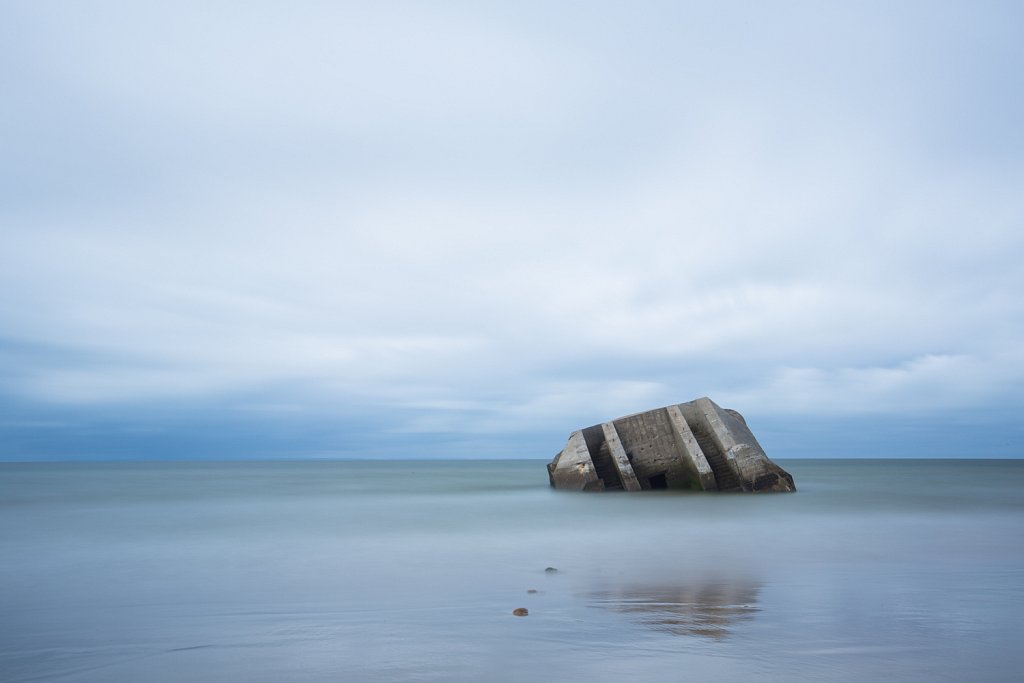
(409, 571)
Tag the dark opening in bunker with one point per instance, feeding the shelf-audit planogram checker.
(658, 481)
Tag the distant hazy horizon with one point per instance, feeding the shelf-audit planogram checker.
(463, 230)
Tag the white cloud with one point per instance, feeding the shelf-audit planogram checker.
(465, 212)
(918, 386)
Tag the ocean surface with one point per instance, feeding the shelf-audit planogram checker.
(409, 571)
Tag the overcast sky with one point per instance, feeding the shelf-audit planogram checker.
(466, 229)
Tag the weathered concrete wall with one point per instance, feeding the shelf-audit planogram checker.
(702, 417)
(690, 445)
(594, 436)
(619, 458)
(692, 456)
(754, 470)
(573, 468)
(652, 448)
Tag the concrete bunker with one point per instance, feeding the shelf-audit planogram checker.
(696, 445)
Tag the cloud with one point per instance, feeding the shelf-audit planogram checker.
(458, 221)
(930, 384)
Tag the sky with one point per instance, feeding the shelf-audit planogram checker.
(463, 230)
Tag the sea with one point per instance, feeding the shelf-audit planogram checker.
(894, 570)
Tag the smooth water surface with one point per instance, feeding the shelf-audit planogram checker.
(391, 571)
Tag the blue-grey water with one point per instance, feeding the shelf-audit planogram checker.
(409, 571)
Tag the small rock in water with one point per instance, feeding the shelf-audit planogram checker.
(532, 591)
(550, 570)
(520, 611)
